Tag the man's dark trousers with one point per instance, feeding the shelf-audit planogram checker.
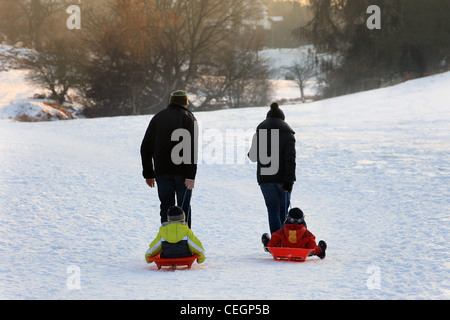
(169, 187)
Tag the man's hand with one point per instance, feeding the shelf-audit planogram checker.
(150, 182)
(288, 186)
(189, 184)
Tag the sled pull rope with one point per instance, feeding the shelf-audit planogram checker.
(182, 205)
(287, 197)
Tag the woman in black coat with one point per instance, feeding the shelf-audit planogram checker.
(273, 148)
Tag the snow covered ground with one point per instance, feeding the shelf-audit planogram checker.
(373, 181)
(13, 57)
(280, 60)
(17, 100)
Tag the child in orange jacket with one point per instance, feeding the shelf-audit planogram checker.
(295, 235)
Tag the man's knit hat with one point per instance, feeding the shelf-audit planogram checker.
(276, 112)
(175, 214)
(180, 97)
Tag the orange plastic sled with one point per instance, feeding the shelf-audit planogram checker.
(173, 262)
(290, 254)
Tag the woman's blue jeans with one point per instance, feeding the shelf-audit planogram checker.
(277, 203)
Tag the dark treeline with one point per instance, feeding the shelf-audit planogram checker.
(414, 41)
(129, 55)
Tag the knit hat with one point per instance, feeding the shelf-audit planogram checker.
(276, 112)
(295, 216)
(175, 214)
(180, 97)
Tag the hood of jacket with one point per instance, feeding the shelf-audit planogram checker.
(295, 233)
(179, 106)
(275, 123)
(174, 232)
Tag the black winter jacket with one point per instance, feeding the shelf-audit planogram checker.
(287, 152)
(157, 146)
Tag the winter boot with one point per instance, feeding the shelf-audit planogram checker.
(265, 240)
(323, 246)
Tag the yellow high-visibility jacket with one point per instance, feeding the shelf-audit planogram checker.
(175, 240)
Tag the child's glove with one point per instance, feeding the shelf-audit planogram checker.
(147, 256)
(201, 259)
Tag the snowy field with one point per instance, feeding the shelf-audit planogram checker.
(373, 180)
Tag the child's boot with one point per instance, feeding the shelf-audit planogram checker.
(323, 246)
(265, 240)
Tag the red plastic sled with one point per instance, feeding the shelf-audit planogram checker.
(290, 254)
(174, 262)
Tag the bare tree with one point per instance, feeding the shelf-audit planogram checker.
(303, 71)
(148, 48)
(36, 14)
(12, 21)
(237, 77)
(191, 32)
(57, 68)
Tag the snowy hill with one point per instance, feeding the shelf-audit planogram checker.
(12, 57)
(22, 101)
(373, 180)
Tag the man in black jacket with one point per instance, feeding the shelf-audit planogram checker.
(169, 154)
(273, 148)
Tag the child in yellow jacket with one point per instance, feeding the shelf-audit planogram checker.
(175, 239)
